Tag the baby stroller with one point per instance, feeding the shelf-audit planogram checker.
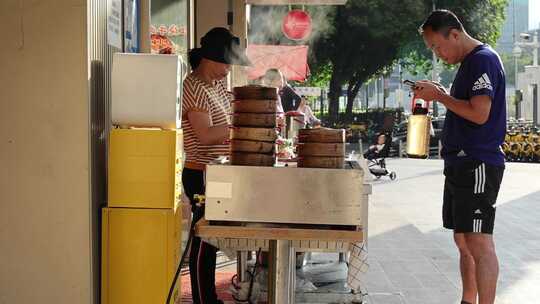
(376, 155)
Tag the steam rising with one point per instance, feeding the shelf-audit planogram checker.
(265, 24)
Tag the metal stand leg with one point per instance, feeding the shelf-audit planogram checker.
(300, 260)
(342, 257)
(308, 256)
(241, 265)
(281, 272)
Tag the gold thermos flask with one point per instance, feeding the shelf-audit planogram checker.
(418, 131)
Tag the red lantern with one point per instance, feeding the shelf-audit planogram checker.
(296, 25)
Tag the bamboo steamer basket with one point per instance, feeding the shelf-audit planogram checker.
(321, 149)
(321, 135)
(327, 162)
(252, 146)
(255, 92)
(254, 106)
(254, 120)
(252, 159)
(256, 134)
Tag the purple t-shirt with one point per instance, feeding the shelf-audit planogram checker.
(480, 73)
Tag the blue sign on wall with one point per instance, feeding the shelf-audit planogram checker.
(131, 26)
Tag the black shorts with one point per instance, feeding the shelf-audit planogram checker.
(470, 193)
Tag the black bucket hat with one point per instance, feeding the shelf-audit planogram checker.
(220, 45)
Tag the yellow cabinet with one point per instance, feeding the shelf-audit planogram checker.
(145, 168)
(140, 254)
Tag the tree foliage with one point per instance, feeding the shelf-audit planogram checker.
(510, 68)
(368, 36)
(351, 43)
(482, 20)
(365, 38)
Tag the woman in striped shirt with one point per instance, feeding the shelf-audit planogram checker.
(205, 121)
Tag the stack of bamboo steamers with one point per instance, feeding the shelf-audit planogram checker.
(253, 134)
(321, 148)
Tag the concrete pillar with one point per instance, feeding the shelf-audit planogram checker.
(45, 134)
(239, 28)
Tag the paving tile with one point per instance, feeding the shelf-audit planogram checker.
(405, 281)
(424, 266)
(419, 295)
(379, 284)
(435, 281)
(447, 297)
(447, 266)
(386, 299)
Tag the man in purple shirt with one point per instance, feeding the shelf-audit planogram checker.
(474, 129)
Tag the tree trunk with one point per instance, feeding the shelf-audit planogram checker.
(349, 108)
(353, 87)
(333, 97)
(367, 97)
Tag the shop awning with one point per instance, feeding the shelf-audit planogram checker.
(290, 60)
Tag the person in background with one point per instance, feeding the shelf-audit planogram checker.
(289, 99)
(374, 150)
(474, 130)
(310, 118)
(273, 78)
(205, 121)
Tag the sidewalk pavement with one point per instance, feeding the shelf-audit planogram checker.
(413, 259)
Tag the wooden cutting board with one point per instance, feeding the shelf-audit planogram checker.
(255, 92)
(254, 120)
(254, 106)
(321, 149)
(321, 162)
(252, 159)
(321, 135)
(252, 146)
(257, 134)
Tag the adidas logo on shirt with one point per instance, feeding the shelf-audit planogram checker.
(482, 83)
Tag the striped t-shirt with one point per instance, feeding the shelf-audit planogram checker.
(201, 97)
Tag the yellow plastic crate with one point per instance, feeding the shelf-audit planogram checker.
(140, 254)
(145, 168)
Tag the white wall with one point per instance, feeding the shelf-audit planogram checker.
(525, 81)
(209, 14)
(212, 13)
(44, 153)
